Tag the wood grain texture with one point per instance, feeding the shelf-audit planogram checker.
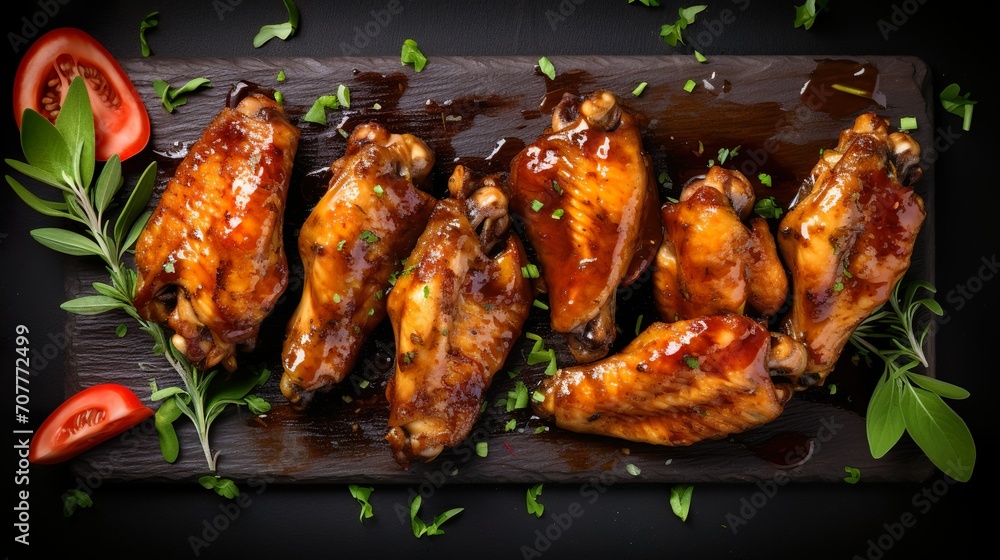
(480, 112)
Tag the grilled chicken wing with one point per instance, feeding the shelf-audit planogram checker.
(210, 261)
(590, 208)
(368, 220)
(678, 383)
(455, 316)
(849, 237)
(710, 262)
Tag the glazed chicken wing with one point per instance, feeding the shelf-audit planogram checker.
(210, 261)
(678, 383)
(351, 244)
(590, 208)
(455, 316)
(710, 262)
(849, 237)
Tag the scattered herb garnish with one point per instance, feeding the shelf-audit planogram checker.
(680, 500)
(531, 499)
(639, 89)
(638, 325)
(530, 271)
(805, 15)
(547, 68)
(672, 34)
(541, 305)
(689, 86)
(279, 97)
(558, 213)
(361, 494)
(121, 330)
(726, 153)
(482, 448)
(907, 401)
(692, 362)
(377, 106)
(222, 486)
(317, 113)
(633, 469)
(175, 97)
(73, 499)
(420, 528)
(281, 76)
(344, 96)
(700, 57)
(379, 191)
(651, 3)
(536, 205)
(62, 156)
(764, 179)
(150, 21)
(833, 388)
(907, 124)
(539, 354)
(852, 90)
(518, 397)
(957, 104)
(411, 55)
(853, 475)
(767, 208)
(510, 425)
(279, 30)
(368, 236)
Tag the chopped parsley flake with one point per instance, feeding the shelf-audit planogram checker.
(482, 448)
(536, 205)
(340, 244)
(368, 236)
(639, 89)
(764, 179)
(547, 68)
(692, 362)
(379, 191)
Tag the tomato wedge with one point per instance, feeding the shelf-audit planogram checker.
(121, 123)
(84, 420)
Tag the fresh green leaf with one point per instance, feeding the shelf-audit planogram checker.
(692, 362)
(222, 486)
(279, 30)
(411, 55)
(764, 179)
(884, 420)
(689, 86)
(121, 330)
(171, 98)
(42, 206)
(369, 236)
(65, 241)
(805, 15)
(164, 418)
(150, 21)
(135, 231)
(108, 183)
(166, 393)
(137, 201)
(417, 525)
(435, 527)
(257, 405)
(344, 96)
(639, 89)
(317, 113)
(45, 148)
(76, 124)
(510, 425)
(547, 68)
(518, 397)
(281, 76)
(853, 475)
(673, 33)
(907, 124)
(74, 499)
(482, 448)
(934, 385)
(651, 3)
(362, 495)
(50, 179)
(700, 57)
(939, 432)
(229, 389)
(680, 500)
(531, 499)
(957, 104)
(633, 469)
(767, 208)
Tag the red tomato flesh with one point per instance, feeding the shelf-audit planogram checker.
(121, 123)
(84, 420)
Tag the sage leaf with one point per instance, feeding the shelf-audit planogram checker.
(108, 183)
(91, 305)
(257, 405)
(943, 388)
(680, 500)
(107, 290)
(65, 241)
(939, 432)
(42, 206)
(884, 419)
(135, 232)
(38, 174)
(44, 146)
(76, 124)
(165, 393)
(137, 202)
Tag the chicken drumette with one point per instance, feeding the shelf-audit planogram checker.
(353, 241)
(456, 315)
(210, 262)
(590, 208)
(848, 239)
(679, 383)
(710, 262)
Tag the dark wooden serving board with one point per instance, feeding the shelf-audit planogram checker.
(480, 112)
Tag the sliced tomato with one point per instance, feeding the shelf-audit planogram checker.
(84, 420)
(121, 123)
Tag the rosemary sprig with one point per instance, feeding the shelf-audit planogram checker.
(905, 400)
(61, 155)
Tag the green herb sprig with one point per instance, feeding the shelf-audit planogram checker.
(420, 528)
(61, 155)
(411, 54)
(362, 494)
(150, 21)
(279, 30)
(805, 15)
(672, 33)
(171, 98)
(957, 104)
(531, 500)
(905, 400)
